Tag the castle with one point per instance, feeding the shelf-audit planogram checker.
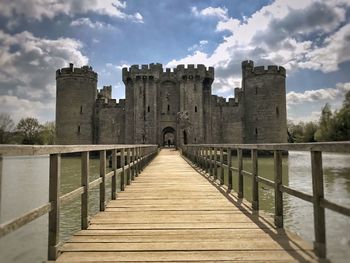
(171, 106)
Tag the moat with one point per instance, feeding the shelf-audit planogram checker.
(30, 189)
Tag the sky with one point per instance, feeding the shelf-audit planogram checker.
(310, 38)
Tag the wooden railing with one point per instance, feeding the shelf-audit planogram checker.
(132, 159)
(210, 158)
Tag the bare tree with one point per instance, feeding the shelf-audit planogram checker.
(6, 128)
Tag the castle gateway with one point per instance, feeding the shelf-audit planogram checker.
(171, 106)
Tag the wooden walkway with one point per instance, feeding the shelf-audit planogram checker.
(171, 213)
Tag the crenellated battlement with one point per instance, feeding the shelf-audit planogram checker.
(109, 103)
(248, 69)
(156, 70)
(84, 71)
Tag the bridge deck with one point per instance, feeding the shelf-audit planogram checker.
(172, 213)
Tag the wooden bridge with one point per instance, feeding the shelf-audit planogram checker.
(177, 209)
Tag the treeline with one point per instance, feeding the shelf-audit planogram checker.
(332, 126)
(26, 131)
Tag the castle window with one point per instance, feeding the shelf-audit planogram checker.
(256, 131)
(81, 109)
(277, 111)
(256, 90)
(168, 107)
(195, 108)
(148, 109)
(78, 129)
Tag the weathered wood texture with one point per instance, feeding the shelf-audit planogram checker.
(172, 213)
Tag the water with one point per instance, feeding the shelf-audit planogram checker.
(25, 186)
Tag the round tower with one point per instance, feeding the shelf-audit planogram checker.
(265, 115)
(76, 93)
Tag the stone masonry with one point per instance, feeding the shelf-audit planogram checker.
(171, 106)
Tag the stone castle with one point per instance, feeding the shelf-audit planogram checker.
(171, 106)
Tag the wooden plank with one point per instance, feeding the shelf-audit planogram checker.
(114, 177)
(319, 211)
(240, 174)
(28, 217)
(103, 177)
(211, 255)
(278, 192)
(85, 175)
(232, 245)
(122, 164)
(255, 184)
(54, 199)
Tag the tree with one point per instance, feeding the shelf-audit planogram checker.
(310, 129)
(326, 130)
(48, 133)
(6, 128)
(30, 130)
(343, 120)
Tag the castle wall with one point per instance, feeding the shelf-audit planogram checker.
(175, 104)
(110, 121)
(75, 105)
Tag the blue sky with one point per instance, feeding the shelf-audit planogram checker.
(310, 38)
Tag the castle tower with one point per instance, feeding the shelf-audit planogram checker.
(141, 105)
(195, 94)
(265, 117)
(76, 93)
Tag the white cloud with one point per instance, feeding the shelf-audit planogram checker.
(199, 46)
(336, 50)
(219, 12)
(323, 95)
(281, 33)
(85, 21)
(38, 9)
(27, 70)
(19, 108)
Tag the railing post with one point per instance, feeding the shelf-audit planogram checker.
(114, 177)
(122, 174)
(54, 199)
(215, 164)
(206, 159)
(132, 164)
(210, 161)
(138, 170)
(128, 173)
(222, 175)
(229, 172)
(278, 193)
(240, 174)
(85, 195)
(319, 212)
(255, 183)
(103, 183)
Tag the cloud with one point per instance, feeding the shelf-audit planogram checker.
(324, 95)
(336, 50)
(291, 33)
(39, 9)
(27, 69)
(85, 21)
(21, 108)
(218, 12)
(199, 46)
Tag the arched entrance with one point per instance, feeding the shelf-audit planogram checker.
(169, 137)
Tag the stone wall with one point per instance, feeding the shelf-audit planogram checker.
(264, 95)
(76, 94)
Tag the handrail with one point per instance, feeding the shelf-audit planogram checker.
(206, 157)
(132, 159)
